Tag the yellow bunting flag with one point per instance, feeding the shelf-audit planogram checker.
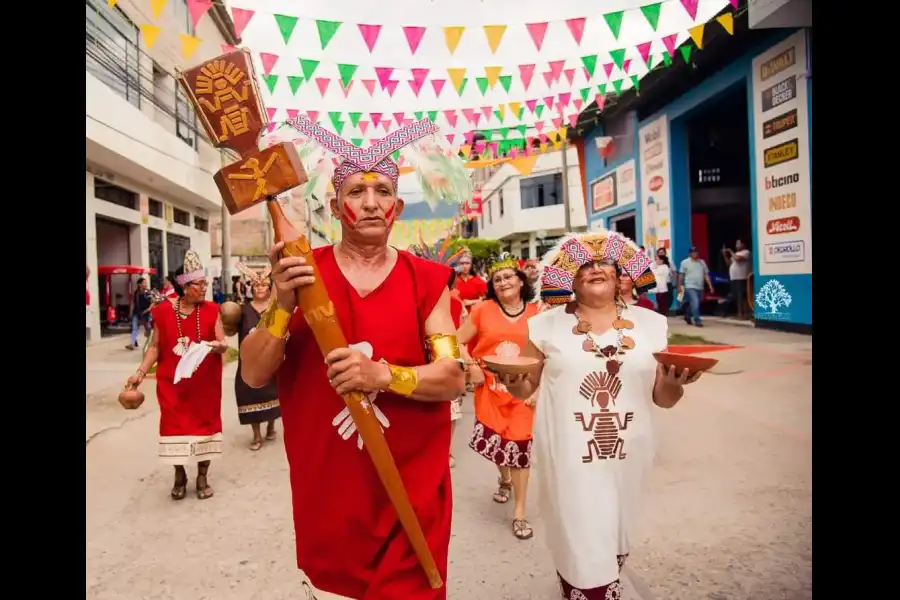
(452, 35)
(524, 165)
(111, 3)
(543, 147)
(727, 22)
(697, 35)
(493, 75)
(149, 33)
(456, 76)
(502, 110)
(189, 45)
(514, 107)
(563, 131)
(494, 34)
(156, 7)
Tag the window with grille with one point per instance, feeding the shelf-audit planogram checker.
(182, 217)
(156, 208)
(112, 52)
(545, 190)
(110, 192)
(201, 224)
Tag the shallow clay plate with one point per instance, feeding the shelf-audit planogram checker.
(510, 365)
(692, 363)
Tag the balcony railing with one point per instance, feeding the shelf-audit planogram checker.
(113, 55)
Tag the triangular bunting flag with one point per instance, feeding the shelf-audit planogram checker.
(227, 48)
(414, 37)
(525, 74)
(576, 28)
(268, 61)
(651, 13)
(570, 76)
(369, 84)
(308, 66)
(452, 35)
(419, 114)
(504, 132)
(600, 99)
(506, 81)
(501, 112)
(494, 35)
(462, 86)
(492, 74)
(691, 7)
(358, 142)
(438, 85)
(521, 129)
(111, 3)
(271, 82)
(556, 68)
(557, 122)
(369, 35)
(198, 8)
(399, 117)
(384, 75)
(585, 92)
(667, 58)
(450, 137)
(149, 33)
(590, 63)
(286, 25)
(618, 57)
(346, 72)
(578, 104)
(322, 83)
(432, 115)
(614, 20)
(363, 126)
(626, 65)
(189, 45)
(531, 105)
(548, 78)
(295, 81)
(482, 84)
(515, 107)
(419, 75)
(602, 89)
(354, 118)
(727, 22)
(450, 116)
(327, 29)
(456, 77)
(376, 118)
(608, 68)
(241, 17)
(636, 82)
(539, 110)
(564, 98)
(335, 117)
(156, 7)
(669, 42)
(617, 85)
(697, 35)
(313, 115)
(686, 53)
(468, 114)
(537, 31)
(539, 126)
(270, 113)
(644, 51)
(292, 113)
(346, 88)
(416, 87)
(391, 87)
(734, 3)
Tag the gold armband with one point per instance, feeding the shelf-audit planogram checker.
(404, 380)
(276, 320)
(442, 345)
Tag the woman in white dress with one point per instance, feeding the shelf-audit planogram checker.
(597, 382)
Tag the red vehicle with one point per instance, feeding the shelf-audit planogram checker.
(117, 311)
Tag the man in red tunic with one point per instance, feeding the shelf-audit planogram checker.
(391, 305)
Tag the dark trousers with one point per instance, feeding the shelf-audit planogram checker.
(739, 296)
(663, 302)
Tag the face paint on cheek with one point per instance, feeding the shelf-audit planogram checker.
(389, 213)
(348, 216)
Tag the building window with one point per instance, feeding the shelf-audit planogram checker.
(114, 194)
(481, 218)
(201, 224)
(155, 254)
(621, 129)
(490, 212)
(156, 208)
(182, 217)
(111, 49)
(185, 119)
(183, 16)
(545, 190)
(500, 195)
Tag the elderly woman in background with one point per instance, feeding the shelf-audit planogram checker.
(503, 423)
(598, 382)
(630, 295)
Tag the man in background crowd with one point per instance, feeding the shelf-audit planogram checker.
(692, 274)
(739, 268)
(141, 303)
(472, 288)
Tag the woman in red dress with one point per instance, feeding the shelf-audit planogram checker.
(190, 419)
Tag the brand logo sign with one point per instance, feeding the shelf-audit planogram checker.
(771, 301)
(786, 225)
(781, 153)
(780, 124)
(783, 202)
(776, 65)
(773, 182)
(656, 183)
(786, 252)
(778, 94)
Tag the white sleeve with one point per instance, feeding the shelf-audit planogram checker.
(537, 330)
(656, 327)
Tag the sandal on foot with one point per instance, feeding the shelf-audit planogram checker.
(179, 490)
(501, 496)
(203, 490)
(522, 529)
(271, 435)
(452, 461)
(255, 445)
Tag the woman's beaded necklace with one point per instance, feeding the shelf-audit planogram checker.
(509, 314)
(183, 342)
(623, 342)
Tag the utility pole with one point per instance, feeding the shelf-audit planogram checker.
(226, 242)
(565, 184)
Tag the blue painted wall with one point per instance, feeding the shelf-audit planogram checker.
(595, 169)
(738, 73)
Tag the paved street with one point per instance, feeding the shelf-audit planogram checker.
(728, 515)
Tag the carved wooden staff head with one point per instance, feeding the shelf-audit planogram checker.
(225, 94)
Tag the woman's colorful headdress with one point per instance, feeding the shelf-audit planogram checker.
(255, 277)
(441, 252)
(574, 251)
(193, 269)
(504, 261)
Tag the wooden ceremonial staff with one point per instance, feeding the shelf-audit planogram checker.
(225, 95)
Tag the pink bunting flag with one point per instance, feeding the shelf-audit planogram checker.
(564, 98)
(415, 86)
(537, 31)
(608, 67)
(322, 83)
(479, 147)
(346, 89)
(570, 75)
(576, 27)
(514, 152)
(227, 48)
(469, 137)
(734, 3)
(391, 87)
(557, 122)
(644, 50)
(691, 7)
(539, 126)
(494, 148)
(363, 126)
(270, 112)
(560, 108)
(543, 138)
(384, 75)
(626, 65)
(313, 115)
(578, 104)
(486, 111)
(531, 105)
(386, 125)
(469, 115)
(450, 138)
(600, 99)
(414, 37)
(268, 61)
(241, 17)
(476, 118)
(370, 35)
(292, 113)
(526, 72)
(549, 101)
(376, 118)
(419, 75)
(669, 43)
(407, 122)
(573, 120)
(438, 86)
(198, 8)
(451, 117)
(556, 67)
(369, 84)
(399, 117)
(587, 74)
(548, 78)
(270, 128)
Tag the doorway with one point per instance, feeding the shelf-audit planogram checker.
(176, 247)
(113, 248)
(626, 224)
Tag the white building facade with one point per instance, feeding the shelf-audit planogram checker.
(527, 213)
(149, 190)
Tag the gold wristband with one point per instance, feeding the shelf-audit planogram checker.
(276, 320)
(404, 380)
(442, 345)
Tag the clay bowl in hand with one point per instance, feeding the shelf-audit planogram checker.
(685, 361)
(131, 398)
(510, 365)
(230, 312)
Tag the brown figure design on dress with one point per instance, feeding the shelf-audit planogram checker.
(602, 389)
